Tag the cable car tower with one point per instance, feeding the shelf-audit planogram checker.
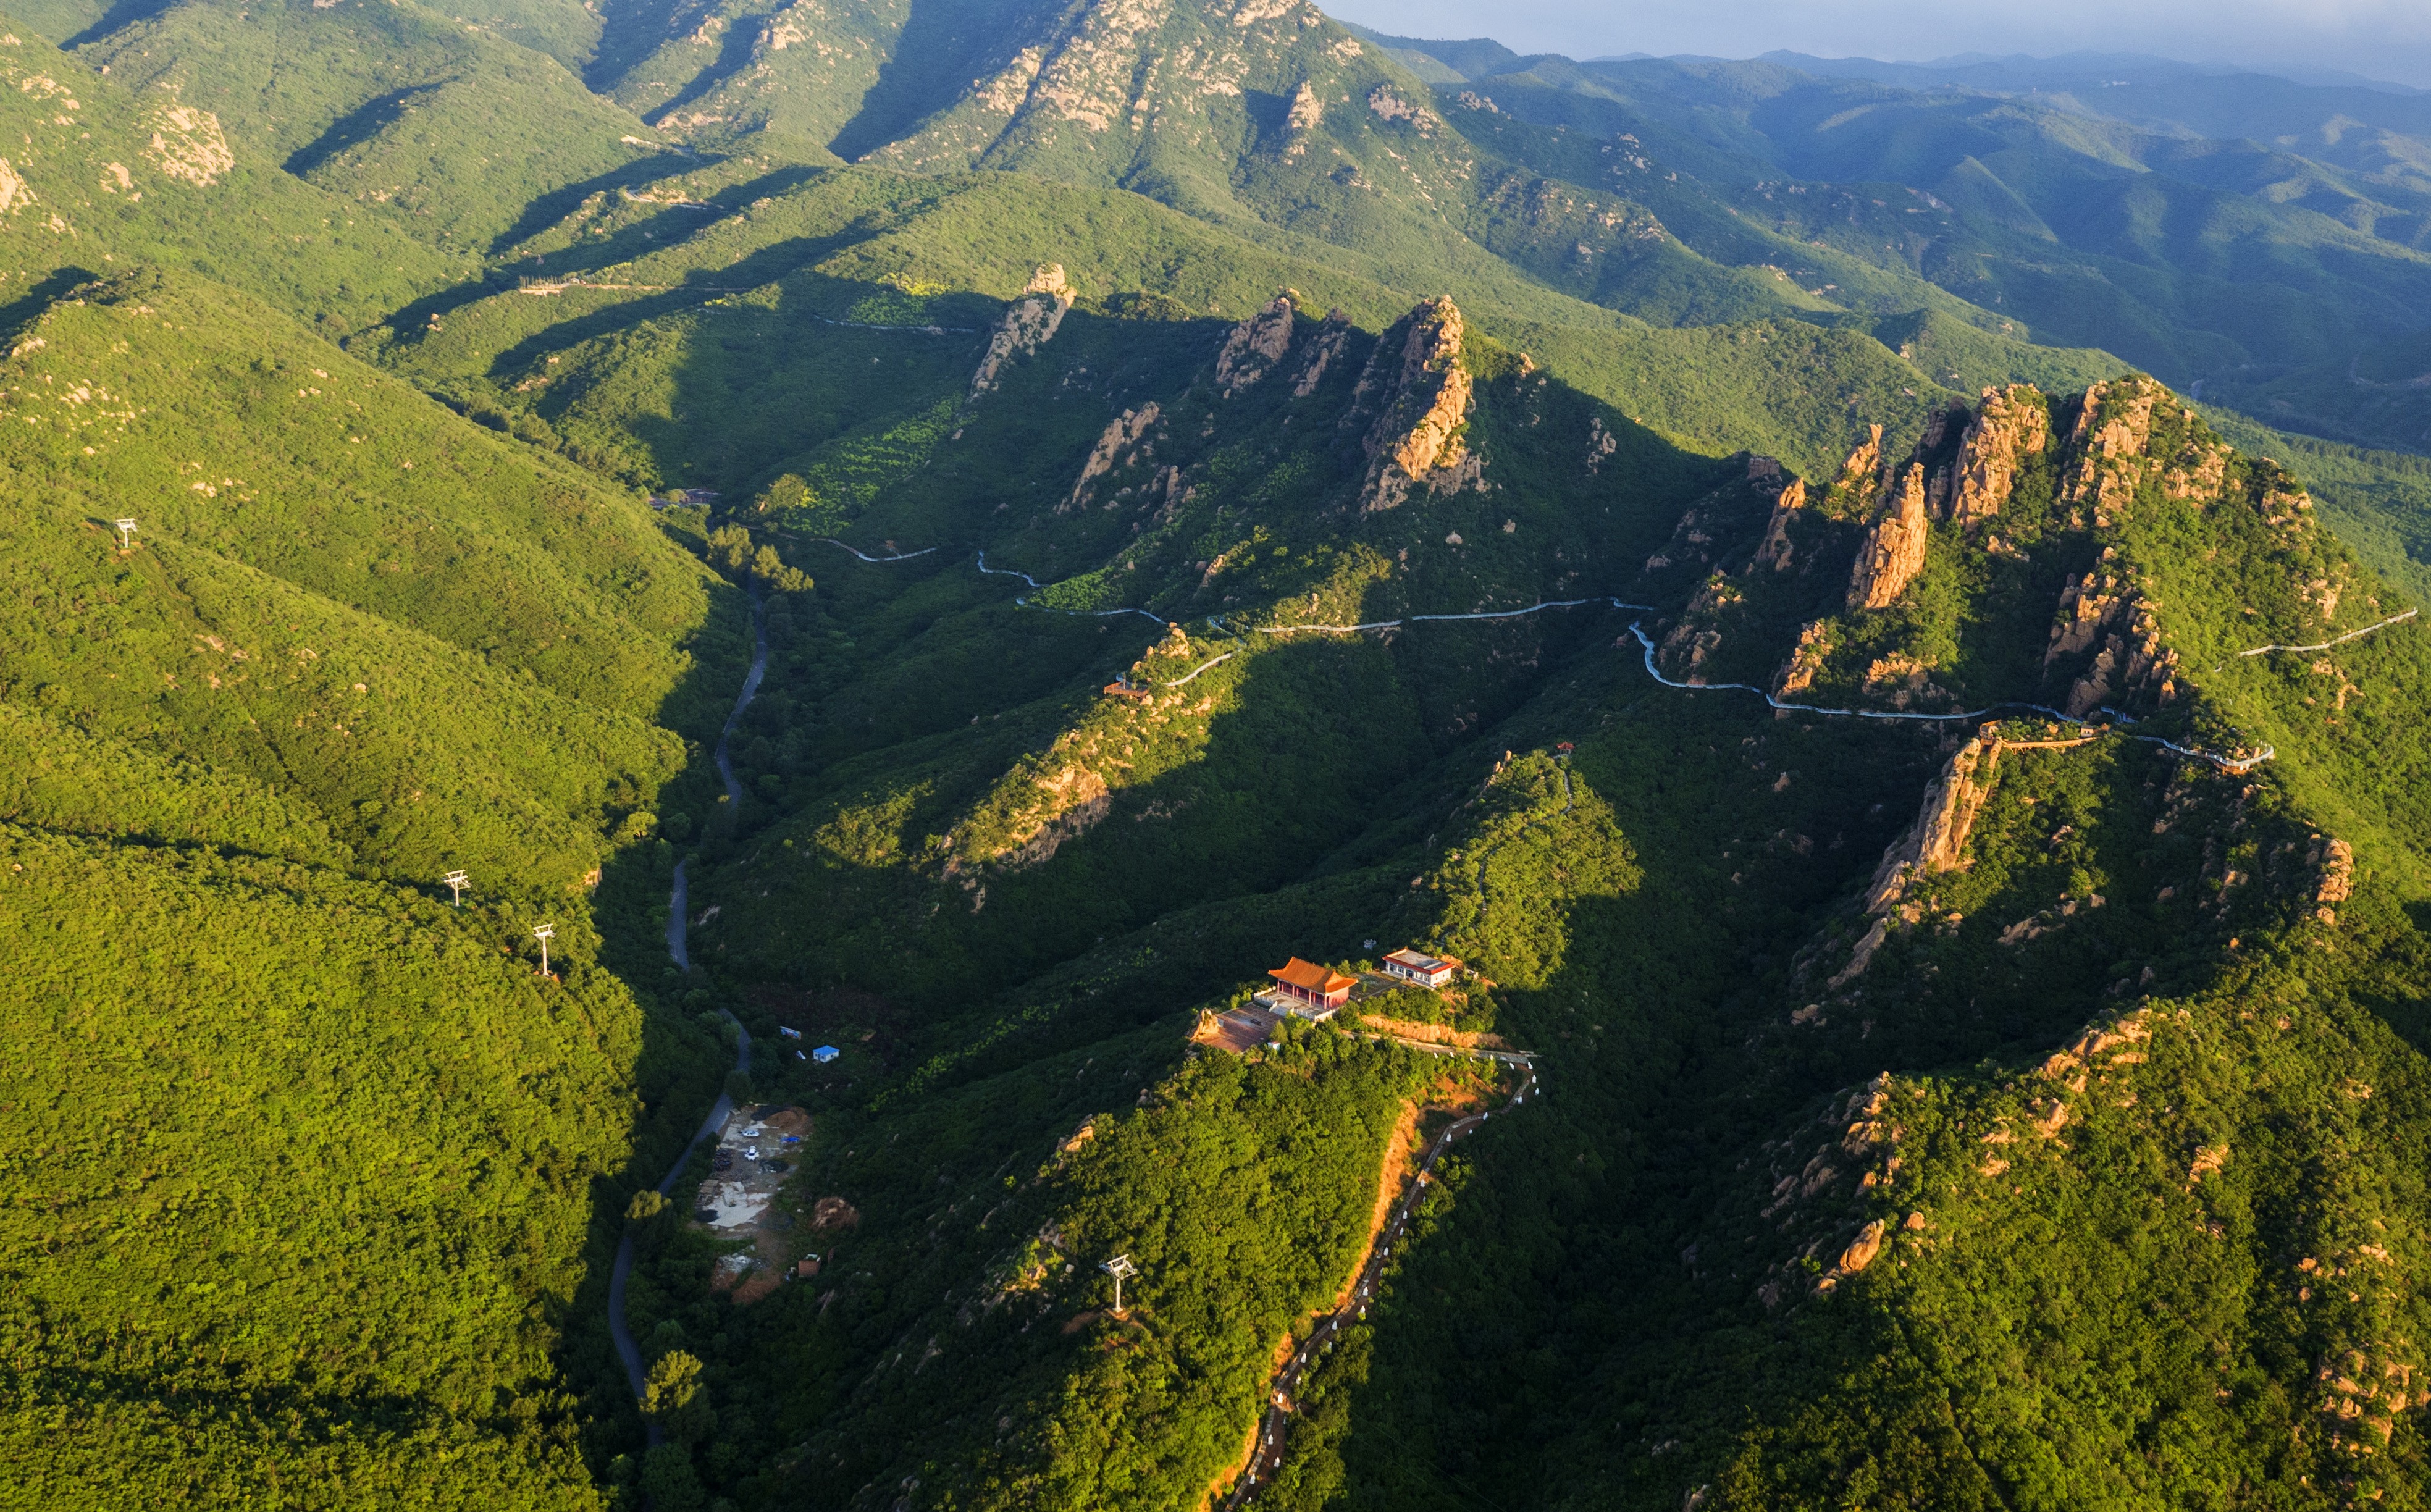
(1119, 1268)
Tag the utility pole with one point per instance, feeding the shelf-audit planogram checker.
(125, 535)
(457, 882)
(544, 933)
(1118, 1267)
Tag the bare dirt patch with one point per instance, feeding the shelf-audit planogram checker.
(833, 1213)
(1433, 1033)
(1238, 1030)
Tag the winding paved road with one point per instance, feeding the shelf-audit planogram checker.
(1274, 1427)
(678, 899)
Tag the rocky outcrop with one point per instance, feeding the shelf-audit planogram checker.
(2013, 424)
(1423, 402)
(1893, 551)
(1307, 111)
(1029, 325)
(1321, 351)
(1601, 445)
(2099, 611)
(1797, 674)
(1389, 106)
(1120, 445)
(15, 194)
(1862, 1250)
(2334, 863)
(1853, 494)
(1903, 681)
(1256, 346)
(1776, 551)
(1692, 642)
(2114, 427)
(1072, 801)
(187, 143)
(1936, 842)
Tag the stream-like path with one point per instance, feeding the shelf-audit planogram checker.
(678, 899)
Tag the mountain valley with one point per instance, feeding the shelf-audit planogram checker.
(1639, 783)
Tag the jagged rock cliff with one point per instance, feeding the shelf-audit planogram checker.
(1120, 445)
(1322, 351)
(1256, 346)
(1030, 324)
(2101, 610)
(1894, 549)
(1420, 402)
(2013, 424)
(1776, 552)
(1936, 842)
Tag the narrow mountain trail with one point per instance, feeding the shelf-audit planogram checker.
(2226, 763)
(678, 901)
(1274, 1426)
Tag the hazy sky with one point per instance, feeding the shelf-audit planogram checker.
(2380, 39)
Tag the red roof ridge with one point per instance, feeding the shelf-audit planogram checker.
(1310, 977)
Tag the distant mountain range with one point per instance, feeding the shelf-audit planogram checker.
(1871, 612)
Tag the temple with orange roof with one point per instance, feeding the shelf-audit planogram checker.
(1315, 991)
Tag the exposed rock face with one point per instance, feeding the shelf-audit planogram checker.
(1321, 352)
(1600, 445)
(1256, 346)
(1424, 403)
(2013, 424)
(1030, 325)
(1903, 682)
(1775, 551)
(1797, 674)
(1696, 638)
(2336, 860)
(2199, 472)
(15, 194)
(1893, 552)
(1391, 106)
(1853, 493)
(1307, 111)
(1863, 956)
(2112, 430)
(1937, 841)
(1117, 446)
(187, 143)
(1073, 800)
(1862, 1250)
(2099, 611)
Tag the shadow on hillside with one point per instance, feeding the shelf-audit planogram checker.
(1292, 826)
(39, 295)
(667, 228)
(358, 126)
(1674, 1064)
(944, 44)
(120, 14)
(680, 1070)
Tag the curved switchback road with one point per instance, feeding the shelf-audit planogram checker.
(2226, 763)
(677, 899)
(1274, 1425)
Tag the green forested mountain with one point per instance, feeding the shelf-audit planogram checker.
(955, 540)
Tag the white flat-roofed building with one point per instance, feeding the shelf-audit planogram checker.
(1433, 972)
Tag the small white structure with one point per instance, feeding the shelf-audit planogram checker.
(825, 1053)
(1430, 971)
